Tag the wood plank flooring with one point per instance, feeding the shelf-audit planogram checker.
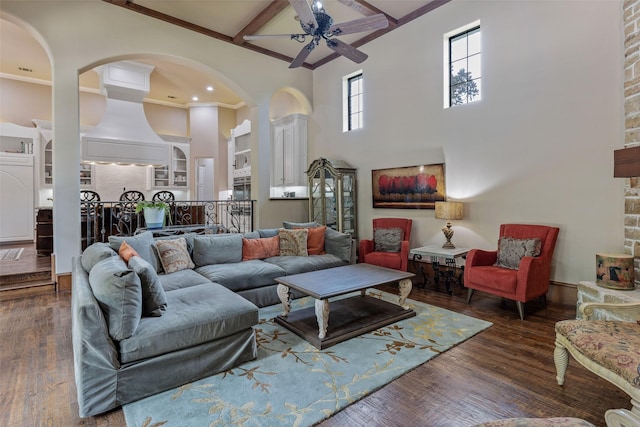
(505, 371)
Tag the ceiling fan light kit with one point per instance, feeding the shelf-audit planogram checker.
(317, 24)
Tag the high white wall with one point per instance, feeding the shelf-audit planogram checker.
(538, 148)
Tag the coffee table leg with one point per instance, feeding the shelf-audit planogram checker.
(285, 296)
(322, 314)
(405, 289)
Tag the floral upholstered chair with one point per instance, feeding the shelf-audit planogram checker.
(390, 244)
(608, 348)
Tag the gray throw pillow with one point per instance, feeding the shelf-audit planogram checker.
(94, 254)
(387, 239)
(252, 235)
(290, 225)
(154, 301)
(142, 243)
(338, 244)
(511, 251)
(217, 249)
(119, 294)
(268, 232)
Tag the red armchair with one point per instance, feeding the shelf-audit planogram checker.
(396, 260)
(527, 278)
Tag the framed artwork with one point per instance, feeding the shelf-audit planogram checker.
(411, 187)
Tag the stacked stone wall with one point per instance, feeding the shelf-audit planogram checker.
(631, 13)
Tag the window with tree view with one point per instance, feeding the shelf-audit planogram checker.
(464, 67)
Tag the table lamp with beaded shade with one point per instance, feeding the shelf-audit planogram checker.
(449, 211)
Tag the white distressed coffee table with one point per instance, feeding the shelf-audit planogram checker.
(350, 317)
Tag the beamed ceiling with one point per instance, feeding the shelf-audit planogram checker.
(225, 20)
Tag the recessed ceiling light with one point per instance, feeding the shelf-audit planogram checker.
(195, 98)
(210, 88)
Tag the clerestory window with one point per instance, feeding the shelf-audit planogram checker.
(464, 74)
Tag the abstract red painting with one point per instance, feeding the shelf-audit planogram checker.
(410, 187)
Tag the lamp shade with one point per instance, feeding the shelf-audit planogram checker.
(448, 210)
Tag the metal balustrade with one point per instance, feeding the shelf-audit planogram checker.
(101, 219)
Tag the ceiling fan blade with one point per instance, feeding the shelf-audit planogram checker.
(304, 12)
(368, 23)
(272, 36)
(299, 60)
(347, 50)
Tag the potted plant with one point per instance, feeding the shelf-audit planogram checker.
(154, 213)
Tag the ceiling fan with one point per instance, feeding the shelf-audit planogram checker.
(318, 25)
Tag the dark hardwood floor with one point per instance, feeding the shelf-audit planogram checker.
(505, 371)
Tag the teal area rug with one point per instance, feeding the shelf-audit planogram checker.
(291, 383)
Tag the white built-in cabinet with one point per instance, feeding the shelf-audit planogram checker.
(87, 170)
(176, 174)
(289, 157)
(239, 152)
(45, 141)
(17, 219)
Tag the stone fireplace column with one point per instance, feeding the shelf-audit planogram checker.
(631, 14)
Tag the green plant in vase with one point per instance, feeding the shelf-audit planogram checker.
(154, 213)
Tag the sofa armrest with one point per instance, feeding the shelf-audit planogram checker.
(366, 246)
(340, 245)
(95, 356)
(477, 257)
(628, 310)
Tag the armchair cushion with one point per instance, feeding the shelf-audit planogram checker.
(511, 251)
(384, 259)
(387, 239)
(496, 278)
(614, 345)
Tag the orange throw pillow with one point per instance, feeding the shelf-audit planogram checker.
(260, 248)
(315, 240)
(126, 252)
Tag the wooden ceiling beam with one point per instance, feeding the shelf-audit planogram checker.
(366, 9)
(407, 18)
(275, 7)
(170, 19)
(266, 15)
(422, 11)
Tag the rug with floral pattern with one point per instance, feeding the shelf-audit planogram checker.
(291, 383)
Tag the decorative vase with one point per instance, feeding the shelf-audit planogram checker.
(615, 271)
(154, 218)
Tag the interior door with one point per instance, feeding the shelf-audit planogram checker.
(204, 178)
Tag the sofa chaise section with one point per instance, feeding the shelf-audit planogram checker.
(105, 381)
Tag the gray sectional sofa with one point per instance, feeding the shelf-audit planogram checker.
(139, 330)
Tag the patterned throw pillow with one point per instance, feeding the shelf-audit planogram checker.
(315, 240)
(511, 251)
(174, 255)
(388, 239)
(126, 252)
(260, 248)
(293, 242)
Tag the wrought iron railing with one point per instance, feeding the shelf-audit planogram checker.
(101, 219)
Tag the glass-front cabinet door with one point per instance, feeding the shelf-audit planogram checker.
(176, 174)
(180, 160)
(332, 195)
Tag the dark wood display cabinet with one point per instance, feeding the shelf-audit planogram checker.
(44, 231)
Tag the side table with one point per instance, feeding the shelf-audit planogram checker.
(436, 254)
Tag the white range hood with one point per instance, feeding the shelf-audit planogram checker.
(123, 135)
